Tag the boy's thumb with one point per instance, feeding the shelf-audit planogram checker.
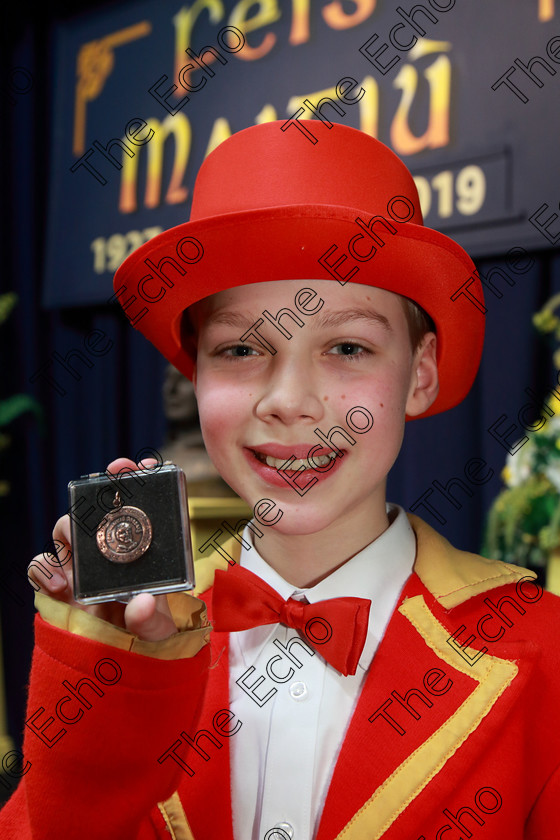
(145, 621)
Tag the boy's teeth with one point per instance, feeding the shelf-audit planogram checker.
(277, 463)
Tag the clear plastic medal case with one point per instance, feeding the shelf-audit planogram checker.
(130, 534)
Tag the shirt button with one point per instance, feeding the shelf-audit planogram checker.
(281, 831)
(298, 691)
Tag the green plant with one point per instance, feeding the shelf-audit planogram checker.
(18, 404)
(523, 524)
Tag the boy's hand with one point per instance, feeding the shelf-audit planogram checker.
(147, 616)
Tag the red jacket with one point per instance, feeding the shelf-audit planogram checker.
(455, 734)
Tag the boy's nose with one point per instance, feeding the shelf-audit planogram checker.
(291, 393)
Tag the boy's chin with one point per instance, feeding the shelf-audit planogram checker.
(300, 520)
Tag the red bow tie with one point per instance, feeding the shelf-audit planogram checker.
(335, 628)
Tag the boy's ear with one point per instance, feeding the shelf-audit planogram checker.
(424, 382)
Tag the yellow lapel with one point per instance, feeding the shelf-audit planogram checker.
(452, 576)
(406, 782)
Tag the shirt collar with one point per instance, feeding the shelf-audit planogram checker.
(378, 572)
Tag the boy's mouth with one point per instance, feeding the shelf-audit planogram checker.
(312, 463)
(278, 463)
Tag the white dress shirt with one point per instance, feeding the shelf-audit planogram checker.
(295, 707)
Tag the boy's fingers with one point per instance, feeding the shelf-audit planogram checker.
(120, 464)
(144, 619)
(148, 462)
(62, 539)
(52, 572)
(59, 555)
(61, 531)
(44, 578)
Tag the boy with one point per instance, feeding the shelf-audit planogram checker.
(363, 679)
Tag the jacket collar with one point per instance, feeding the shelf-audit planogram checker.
(450, 575)
(397, 774)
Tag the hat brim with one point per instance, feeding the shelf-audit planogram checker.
(285, 243)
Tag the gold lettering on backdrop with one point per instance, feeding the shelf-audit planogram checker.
(221, 130)
(438, 74)
(177, 192)
(299, 32)
(184, 22)
(268, 13)
(546, 9)
(180, 127)
(368, 106)
(297, 102)
(94, 64)
(266, 114)
(333, 15)
(337, 19)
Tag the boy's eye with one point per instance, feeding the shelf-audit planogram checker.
(238, 351)
(348, 349)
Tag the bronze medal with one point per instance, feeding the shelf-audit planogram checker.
(126, 533)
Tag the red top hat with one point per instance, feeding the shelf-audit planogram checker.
(269, 204)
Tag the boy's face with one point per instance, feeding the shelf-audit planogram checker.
(251, 399)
